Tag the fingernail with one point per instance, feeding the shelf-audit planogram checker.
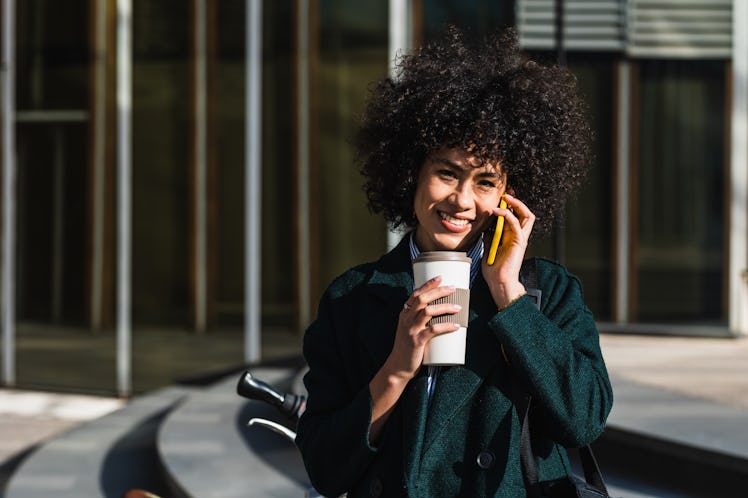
(456, 307)
(450, 287)
(507, 194)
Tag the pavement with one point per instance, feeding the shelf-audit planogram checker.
(712, 369)
(645, 370)
(28, 418)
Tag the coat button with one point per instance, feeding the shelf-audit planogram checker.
(375, 488)
(485, 459)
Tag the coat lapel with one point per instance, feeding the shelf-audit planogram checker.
(456, 385)
(389, 286)
(414, 415)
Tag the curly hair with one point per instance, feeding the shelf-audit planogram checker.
(488, 99)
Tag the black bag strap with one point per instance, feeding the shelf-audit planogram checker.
(590, 468)
(528, 276)
(592, 475)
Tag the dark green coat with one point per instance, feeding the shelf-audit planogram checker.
(466, 443)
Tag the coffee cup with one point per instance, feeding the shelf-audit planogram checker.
(454, 269)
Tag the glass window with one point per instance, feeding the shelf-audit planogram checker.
(476, 17)
(353, 51)
(278, 282)
(53, 182)
(229, 132)
(588, 222)
(278, 178)
(679, 249)
(161, 118)
(52, 152)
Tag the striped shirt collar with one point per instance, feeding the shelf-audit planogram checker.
(475, 254)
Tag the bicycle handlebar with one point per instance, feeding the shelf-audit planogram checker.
(291, 405)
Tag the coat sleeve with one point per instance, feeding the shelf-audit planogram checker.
(333, 432)
(555, 355)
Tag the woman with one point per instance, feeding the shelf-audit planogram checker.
(459, 128)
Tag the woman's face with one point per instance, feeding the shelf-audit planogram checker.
(454, 198)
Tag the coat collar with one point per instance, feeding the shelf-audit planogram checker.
(393, 270)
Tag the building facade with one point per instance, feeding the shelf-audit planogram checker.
(163, 159)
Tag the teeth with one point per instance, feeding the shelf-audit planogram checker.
(454, 221)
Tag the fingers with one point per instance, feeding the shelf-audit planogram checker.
(420, 305)
(443, 328)
(521, 211)
(517, 216)
(428, 286)
(427, 333)
(428, 292)
(418, 310)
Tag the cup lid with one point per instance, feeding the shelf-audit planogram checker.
(430, 256)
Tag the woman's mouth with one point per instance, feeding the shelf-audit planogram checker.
(454, 224)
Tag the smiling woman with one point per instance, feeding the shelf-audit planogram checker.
(461, 128)
(454, 200)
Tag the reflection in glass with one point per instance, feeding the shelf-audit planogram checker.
(353, 41)
(53, 346)
(475, 17)
(679, 257)
(588, 222)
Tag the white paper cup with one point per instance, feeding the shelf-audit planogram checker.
(454, 269)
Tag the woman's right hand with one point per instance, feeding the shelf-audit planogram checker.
(412, 336)
(414, 332)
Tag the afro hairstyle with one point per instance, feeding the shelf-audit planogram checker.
(487, 98)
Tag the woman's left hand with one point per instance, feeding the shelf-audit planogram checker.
(503, 276)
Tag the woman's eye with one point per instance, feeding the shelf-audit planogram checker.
(447, 173)
(485, 184)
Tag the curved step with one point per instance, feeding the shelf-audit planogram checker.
(208, 450)
(103, 457)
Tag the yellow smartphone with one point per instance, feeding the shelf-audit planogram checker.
(496, 235)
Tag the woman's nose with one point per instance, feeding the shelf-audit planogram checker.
(461, 197)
